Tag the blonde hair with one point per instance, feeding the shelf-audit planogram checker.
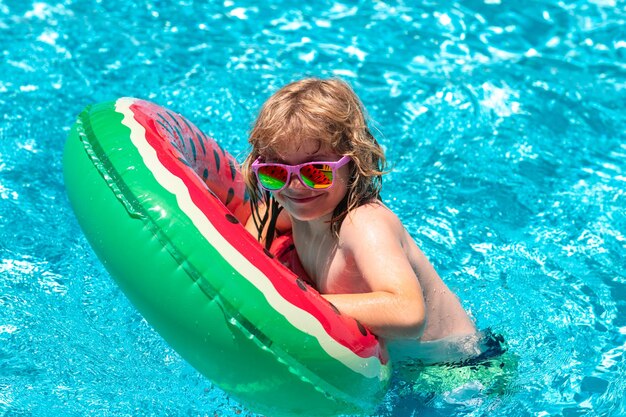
(329, 112)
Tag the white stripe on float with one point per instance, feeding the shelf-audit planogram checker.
(301, 319)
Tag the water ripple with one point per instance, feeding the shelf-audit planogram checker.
(503, 123)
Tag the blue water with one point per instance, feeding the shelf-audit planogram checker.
(503, 121)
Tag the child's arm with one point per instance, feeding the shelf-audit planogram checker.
(372, 237)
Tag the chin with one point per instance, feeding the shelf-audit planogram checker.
(306, 216)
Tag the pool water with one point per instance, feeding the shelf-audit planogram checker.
(504, 125)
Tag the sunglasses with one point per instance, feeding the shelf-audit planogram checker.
(315, 175)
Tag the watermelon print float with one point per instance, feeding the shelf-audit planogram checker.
(162, 205)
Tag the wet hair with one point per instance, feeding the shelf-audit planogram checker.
(323, 110)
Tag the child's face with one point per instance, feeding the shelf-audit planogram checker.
(303, 203)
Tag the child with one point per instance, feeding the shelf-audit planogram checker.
(315, 172)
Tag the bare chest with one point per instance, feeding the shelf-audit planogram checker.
(331, 269)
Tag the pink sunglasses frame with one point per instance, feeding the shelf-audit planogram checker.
(295, 169)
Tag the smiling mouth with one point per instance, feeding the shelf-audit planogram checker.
(302, 199)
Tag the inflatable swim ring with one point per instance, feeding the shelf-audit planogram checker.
(162, 205)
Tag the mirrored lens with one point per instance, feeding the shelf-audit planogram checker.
(272, 177)
(316, 175)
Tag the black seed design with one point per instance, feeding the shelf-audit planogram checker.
(175, 118)
(205, 174)
(232, 218)
(335, 309)
(192, 130)
(268, 253)
(201, 142)
(217, 160)
(230, 196)
(233, 169)
(362, 328)
(301, 284)
(193, 149)
(184, 161)
(169, 127)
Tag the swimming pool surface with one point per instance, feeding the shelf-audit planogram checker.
(504, 123)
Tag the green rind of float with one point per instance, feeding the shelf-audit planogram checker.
(206, 330)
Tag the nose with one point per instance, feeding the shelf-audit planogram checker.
(295, 182)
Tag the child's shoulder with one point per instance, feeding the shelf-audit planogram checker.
(371, 218)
